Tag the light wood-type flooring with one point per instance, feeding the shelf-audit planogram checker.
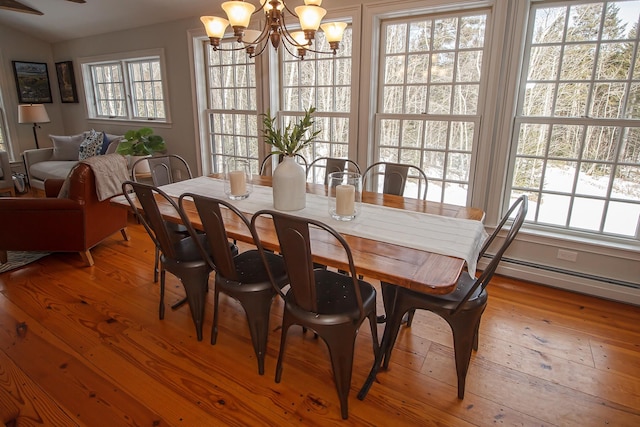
(84, 346)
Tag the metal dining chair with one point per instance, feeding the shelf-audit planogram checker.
(395, 177)
(323, 166)
(162, 170)
(332, 304)
(266, 167)
(180, 255)
(462, 309)
(241, 276)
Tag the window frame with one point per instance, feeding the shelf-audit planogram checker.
(510, 190)
(124, 60)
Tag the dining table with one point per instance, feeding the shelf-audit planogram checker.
(417, 244)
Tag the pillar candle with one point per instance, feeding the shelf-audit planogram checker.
(345, 199)
(238, 182)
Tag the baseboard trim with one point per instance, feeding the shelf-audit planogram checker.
(601, 287)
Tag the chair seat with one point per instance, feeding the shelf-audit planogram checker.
(336, 298)
(252, 275)
(450, 301)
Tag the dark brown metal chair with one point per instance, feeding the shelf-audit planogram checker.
(462, 309)
(180, 255)
(395, 177)
(323, 166)
(241, 276)
(332, 304)
(162, 170)
(266, 167)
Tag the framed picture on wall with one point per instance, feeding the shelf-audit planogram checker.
(66, 81)
(32, 82)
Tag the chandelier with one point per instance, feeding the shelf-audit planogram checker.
(275, 30)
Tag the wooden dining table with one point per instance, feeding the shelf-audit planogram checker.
(398, 264)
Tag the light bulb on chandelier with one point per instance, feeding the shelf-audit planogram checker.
(275, 30)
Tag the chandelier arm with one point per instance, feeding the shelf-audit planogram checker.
(287, 35)
(264, 46)
(225, 49)
(291, 53)
(289, 10)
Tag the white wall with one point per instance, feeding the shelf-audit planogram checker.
(16, 46)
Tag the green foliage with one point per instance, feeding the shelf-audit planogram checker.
(293, 138)
(141, 142)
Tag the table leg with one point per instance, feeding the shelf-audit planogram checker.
(389, 300)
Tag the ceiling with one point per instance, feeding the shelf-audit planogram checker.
(65, 20)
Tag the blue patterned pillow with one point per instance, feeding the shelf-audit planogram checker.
(91, 145)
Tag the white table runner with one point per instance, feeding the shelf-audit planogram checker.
(461, 238)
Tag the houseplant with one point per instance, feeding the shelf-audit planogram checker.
(141, 142)
(289, 178)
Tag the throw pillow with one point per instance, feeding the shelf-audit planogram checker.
(105, 143)
(91, 145)
(66, 147)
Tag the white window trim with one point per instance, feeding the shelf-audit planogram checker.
(85, 63)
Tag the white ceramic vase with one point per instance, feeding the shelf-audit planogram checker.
(289, 185)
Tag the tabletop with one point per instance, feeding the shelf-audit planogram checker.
(417, 269)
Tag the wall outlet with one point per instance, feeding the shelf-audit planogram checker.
(567, 255)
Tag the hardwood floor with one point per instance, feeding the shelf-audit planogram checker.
(84, 346)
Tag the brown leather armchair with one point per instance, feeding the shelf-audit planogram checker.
(73, 224)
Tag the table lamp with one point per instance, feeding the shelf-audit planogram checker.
(33, 113)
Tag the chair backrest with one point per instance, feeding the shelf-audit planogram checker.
(266, 167)
(327, 165)
(395, 176)
(151, 217)
(295, 246)
(212, 219)
(522, 206)
(164, 169)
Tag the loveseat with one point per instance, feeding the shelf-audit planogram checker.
(75, 223)
(56, 162)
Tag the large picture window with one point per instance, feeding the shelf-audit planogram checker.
(577, 133)
(428, 92)
(231, 106)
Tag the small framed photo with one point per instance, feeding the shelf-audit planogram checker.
(32, 82)
(66, 81)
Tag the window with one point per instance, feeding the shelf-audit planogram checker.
(577, 133)
(232, 109)
(4, 146)
(428, 99)
(126, 88)
(323, 81)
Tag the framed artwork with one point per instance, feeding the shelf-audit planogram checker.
(32, 82)
(66, 81)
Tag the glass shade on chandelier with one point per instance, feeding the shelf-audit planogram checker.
(275, 30)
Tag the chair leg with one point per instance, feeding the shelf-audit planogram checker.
(124, 233)
(286, 322)
(257, 307)
(410, 315)
(162, 281)
(195, 284)
(156, 263)
(464, 326)
(341, 351)
(214, 326)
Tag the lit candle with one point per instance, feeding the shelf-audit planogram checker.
(238, 183)
(345, 199)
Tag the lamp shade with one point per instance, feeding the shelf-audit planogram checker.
(214, 26)
(32, 113)
(333, 31)
(238, 12)
(310, 16)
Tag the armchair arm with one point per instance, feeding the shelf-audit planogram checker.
(36, 155)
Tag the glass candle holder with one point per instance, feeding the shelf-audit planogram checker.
(345, 195)
(237, 179)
